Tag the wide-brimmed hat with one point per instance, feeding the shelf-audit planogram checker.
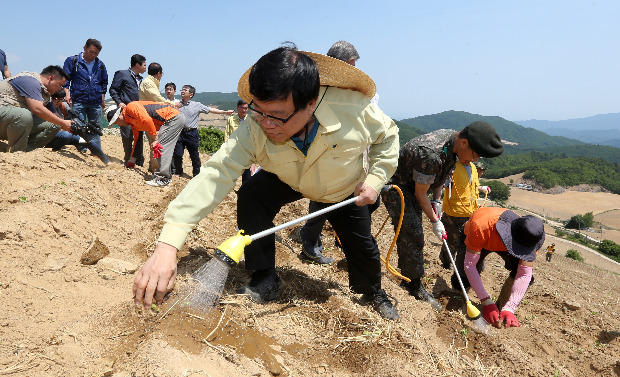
(522, 236)
(112, 113)
(332, 72)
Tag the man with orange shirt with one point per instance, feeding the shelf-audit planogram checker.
(516, 240)
(163, 124)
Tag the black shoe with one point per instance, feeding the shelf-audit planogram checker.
(382, 304)
(416, 289)
(311, 252)
(264, 286)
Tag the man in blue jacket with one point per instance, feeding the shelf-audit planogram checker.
(88, 83)
(124, 89)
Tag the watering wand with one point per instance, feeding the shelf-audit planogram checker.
(472, 312)
(230, 250)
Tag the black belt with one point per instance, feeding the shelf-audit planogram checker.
(188, 129)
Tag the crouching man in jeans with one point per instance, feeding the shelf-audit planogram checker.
(163, 124)
(310, 120)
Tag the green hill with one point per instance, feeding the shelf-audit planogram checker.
(223, 101)
(407, 132)
(549, 170)
(526, 138)
(548, 160)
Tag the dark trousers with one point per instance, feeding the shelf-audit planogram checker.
(187, 139)
(311, 231)
(261, 198)
(127, 138)
(453, 227)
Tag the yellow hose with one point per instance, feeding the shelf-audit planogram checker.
(400, 223)
(386, 260)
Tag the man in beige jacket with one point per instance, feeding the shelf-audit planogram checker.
(310, 118)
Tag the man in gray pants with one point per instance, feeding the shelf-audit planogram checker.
(163, 124)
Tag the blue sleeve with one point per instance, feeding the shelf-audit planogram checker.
(68, 67)
(27, 86)
(205, 109)
(3, 61)
(104, 80)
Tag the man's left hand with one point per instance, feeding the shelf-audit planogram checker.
(365, 194)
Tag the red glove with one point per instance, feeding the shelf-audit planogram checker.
(491, 314)
(509, 317)
(157, 150)
(130, 165)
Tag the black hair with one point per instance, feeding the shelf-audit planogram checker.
(93, 42)
(137, 59)
(59, 94)
(241, 102)
(191, 89)
(285, 71)
(173, 85)
(56, 71)
(154, 68)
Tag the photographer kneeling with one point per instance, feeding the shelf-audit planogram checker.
(26, 120)
(80, 134)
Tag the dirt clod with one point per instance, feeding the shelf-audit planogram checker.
(95, 252)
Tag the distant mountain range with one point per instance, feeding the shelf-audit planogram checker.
(548, 160)
(603, 129)
(518, 139)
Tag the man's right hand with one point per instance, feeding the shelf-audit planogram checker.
(439, 230)
(157, 276)
(66, 125)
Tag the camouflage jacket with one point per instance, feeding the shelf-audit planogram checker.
(426, 159)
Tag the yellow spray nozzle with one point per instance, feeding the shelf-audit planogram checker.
(472, 311)
(230, 250)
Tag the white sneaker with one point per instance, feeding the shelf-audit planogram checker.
(159, 182)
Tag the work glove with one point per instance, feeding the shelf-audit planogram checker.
(486, 189)
(509, 317)
(131, 163)
(439, 230)
(436, 204)
(490, 313)
(157, 150)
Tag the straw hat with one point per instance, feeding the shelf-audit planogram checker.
(332, 72)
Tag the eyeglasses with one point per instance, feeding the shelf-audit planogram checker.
(275, 120)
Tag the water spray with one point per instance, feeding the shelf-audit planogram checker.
(209, 279)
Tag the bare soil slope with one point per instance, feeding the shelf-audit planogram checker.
(63, 318)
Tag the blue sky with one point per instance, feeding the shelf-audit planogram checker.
(542, 59)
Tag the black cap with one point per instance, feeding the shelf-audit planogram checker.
(484, 140)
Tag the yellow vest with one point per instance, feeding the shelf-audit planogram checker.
(460, 199)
